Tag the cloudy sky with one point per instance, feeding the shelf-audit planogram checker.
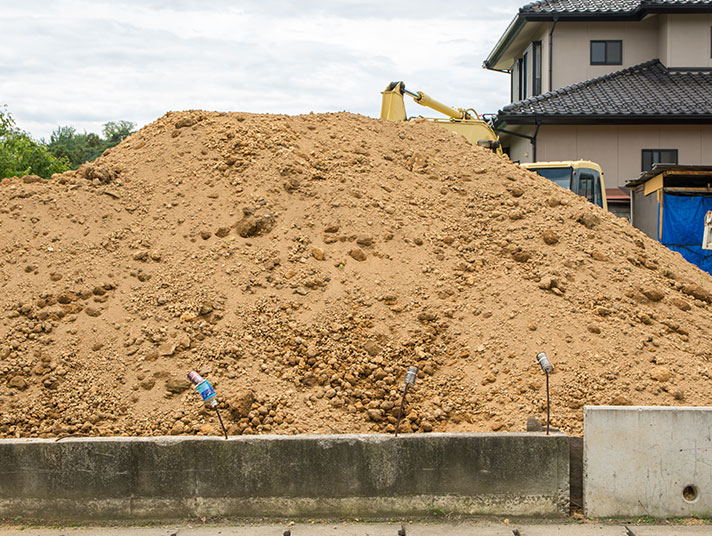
(83, 63)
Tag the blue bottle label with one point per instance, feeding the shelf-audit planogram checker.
(205, 390)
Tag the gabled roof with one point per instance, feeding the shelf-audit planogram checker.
(586, 10)
(647, 93)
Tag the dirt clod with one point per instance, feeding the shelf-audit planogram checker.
(588, 219)
(357, 254)
(652, 293)
(176, 385)
(550, 237)
(241, 404)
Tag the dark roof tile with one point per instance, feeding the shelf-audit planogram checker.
(602, 6)
(647, 89)
(581, 6)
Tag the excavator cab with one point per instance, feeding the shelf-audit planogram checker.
(582, 177)
(465, 122)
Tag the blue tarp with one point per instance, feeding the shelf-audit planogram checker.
(683, 226)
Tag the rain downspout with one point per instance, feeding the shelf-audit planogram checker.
(533, 142)
(551, 54)
(532, 139)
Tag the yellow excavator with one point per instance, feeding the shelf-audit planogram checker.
(463, 121)
(582, 177)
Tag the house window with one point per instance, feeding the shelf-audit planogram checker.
(658, 156)
(517, 80)
(536, 67)
(606, 52)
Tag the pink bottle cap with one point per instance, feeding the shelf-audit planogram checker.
(195, 377)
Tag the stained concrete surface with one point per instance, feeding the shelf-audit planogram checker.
(652, 461)
(297, 476)
(671, 531)
(470, 528)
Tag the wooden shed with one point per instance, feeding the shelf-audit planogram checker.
(669, 203)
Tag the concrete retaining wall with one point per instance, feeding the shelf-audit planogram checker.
(654, 461)
(341, 475)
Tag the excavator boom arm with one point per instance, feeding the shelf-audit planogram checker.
(426, 100)
(467, 124)
(393, 107)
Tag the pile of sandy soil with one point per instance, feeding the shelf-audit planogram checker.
(303, 263)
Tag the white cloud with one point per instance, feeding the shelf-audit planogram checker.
(82, 63)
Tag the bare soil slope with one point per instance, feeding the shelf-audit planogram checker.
(302, 263)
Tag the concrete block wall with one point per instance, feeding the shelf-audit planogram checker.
(336, 476)
(647, 461)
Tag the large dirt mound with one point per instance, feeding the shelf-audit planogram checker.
(302, 263)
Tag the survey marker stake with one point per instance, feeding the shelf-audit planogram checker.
(410, 377)
(547, 367)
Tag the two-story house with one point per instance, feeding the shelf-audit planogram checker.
(625, 83)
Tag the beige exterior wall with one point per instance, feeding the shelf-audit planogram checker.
(664, 40)
(541, 35)
(572, 47)
(618, 149)
(520, 149)
(677, 40)
(684, 40)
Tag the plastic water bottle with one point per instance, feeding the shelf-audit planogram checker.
(204, 388)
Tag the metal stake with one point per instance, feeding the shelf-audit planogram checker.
(547, 402)
(400, 410)
(221, 422)
(410, 378)
(547, 367)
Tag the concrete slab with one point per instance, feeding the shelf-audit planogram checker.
(343, 529)
(647, 461)
(674, 530)
(470, 528)
(328, 476)
(570, 530)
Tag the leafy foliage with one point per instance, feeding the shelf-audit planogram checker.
(66, 149)
(114, 132)
(6, 123)
(21, 155)
(66, 142)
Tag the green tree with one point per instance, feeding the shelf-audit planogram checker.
(115, 131)
(6, 122)
(21, 155)
(66, 143)
(94, 147)
(79, 148)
